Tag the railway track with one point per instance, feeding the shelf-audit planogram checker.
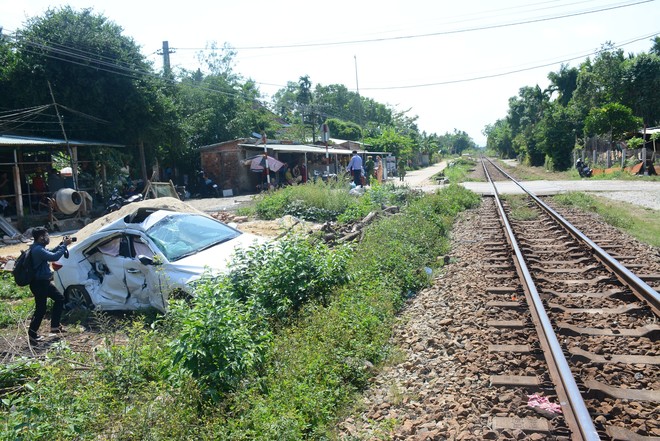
(571, 327)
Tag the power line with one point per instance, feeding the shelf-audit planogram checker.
(501, 74)
(439, 33)
(132, 73)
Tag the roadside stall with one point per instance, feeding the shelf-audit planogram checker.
(45, 179)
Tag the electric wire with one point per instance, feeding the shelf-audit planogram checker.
(439, 33)
(511, 72)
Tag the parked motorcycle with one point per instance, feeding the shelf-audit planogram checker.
(206, 187)
(116, 201)
(583, 169)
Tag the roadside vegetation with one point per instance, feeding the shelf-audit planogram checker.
(458, 170)
(641, 223)
(276, 349)
(519, 208)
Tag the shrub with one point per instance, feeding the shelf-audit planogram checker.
(282, 276)
(220, 340)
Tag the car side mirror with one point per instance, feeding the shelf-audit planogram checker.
(145, 260)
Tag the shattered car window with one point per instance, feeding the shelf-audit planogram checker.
(178, 236)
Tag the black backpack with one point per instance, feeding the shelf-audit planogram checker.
(23, 268)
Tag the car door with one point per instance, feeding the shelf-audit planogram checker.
(142, 280)
(126, 280)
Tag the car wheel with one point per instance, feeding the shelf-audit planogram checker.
(77, 297)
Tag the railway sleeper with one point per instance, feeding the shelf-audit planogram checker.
(600, 390)
(625, 309)
(564, 270)
(651, 331)
(615, 294)
(622, 434)
(586, 356)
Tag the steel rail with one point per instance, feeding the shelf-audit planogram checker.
(641, 289)
(584, 425)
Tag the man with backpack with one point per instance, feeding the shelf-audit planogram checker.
(42, 286)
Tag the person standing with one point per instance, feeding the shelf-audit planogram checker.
(402, 169)
(369, 169)
(355, 167)
(379, 169)
(42, 286)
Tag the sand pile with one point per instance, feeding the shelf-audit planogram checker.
(164, 203)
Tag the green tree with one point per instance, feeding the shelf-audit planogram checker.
(613, 119)
(600, 82)
(93, 69)
(525, 113)
(105, 87)
(344, 130)
(641, 86)
(499, 138)
(557, 135)
(655, 49)
(391, 141)
(563, 83)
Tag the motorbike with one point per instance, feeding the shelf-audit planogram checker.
(583, 169)
(116, 201)
(206, 187)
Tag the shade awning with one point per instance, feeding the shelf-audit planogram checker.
(298, 148)
(26, 141)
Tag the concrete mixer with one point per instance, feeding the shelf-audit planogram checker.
(69, 202)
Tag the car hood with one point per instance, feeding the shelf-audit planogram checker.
(217, 257)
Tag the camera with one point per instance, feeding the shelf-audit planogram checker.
(73, 239)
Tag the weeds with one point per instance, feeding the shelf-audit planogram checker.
(519, 209)
(458, 170)
(639, 222)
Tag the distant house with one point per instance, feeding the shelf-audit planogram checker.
(227, 163)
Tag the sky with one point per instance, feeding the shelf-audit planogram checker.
(452, 64)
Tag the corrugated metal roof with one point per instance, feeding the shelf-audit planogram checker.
(299, 148)
(25, 141)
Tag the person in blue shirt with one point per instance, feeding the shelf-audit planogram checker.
(355, 167)
(42, 286)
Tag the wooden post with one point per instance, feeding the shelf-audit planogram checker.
(18, 190)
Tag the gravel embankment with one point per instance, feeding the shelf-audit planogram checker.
(437, 390)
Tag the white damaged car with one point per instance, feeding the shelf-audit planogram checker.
(137, 261)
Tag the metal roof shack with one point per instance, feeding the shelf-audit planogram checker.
(21, 156)
(225, 162)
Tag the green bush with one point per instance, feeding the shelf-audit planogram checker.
(321, 202)
(280, 277)
(220, 341)
(317, 201)
(458, 169)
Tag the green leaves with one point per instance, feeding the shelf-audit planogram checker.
(614, 119)
(221, 341)
(281, 277)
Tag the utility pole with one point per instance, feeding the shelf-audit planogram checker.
(165, 52)
(73, 161)
(357, 87)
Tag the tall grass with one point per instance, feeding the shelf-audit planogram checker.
(15, 302)
(458, 170)
(641, 223)
(319, 201)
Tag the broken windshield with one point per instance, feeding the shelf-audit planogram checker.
(178, 236)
